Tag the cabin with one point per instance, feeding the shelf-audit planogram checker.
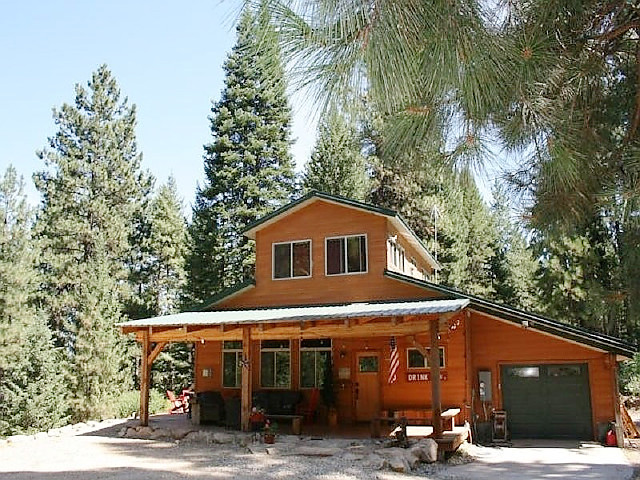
(345, 301)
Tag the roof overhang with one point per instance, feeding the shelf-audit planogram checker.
(561, 330)
(394, 218)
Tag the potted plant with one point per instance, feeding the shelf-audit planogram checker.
(328, 394)
(269, 431)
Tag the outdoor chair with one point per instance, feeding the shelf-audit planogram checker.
(179, 404)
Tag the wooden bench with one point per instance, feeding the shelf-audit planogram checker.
(296, 421)
(414, 417)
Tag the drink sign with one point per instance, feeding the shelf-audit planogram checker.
(424, 376)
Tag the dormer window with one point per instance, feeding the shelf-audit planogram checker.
(345, 255)
(292, 259)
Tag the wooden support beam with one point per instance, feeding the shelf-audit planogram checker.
(155, 352)
(145, 378)
(418, 346)
(434, 362)
(245, 401)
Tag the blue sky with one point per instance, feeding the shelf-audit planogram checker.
(166, 56)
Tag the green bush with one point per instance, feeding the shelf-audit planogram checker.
(630, 376)
(129, 403)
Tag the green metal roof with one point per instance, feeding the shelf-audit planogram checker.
(224, 294)
(250, 229)
(305, 313)
(537, 322)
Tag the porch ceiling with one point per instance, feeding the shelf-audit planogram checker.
(312, 321)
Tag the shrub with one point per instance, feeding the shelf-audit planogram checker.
(129, 403)
(630, 376)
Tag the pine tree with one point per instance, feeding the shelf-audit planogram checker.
(32, 390)
(161, 278)
(248, 166)
(92, 191)
(514, 266)
(337, 165)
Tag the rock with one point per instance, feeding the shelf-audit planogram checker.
(315, 451)
(122, 432)
(398, 463)
(54, 432)
(144, 432)
(412, 459)
(223, 437)
(40, 435)
(426, 450)
(197, 437)
(80, 426)
(159, 433)
(180, 433)
(374, 461)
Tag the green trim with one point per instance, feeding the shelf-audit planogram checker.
(514, 315)
(227, 292)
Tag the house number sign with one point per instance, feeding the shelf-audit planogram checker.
(424, 377)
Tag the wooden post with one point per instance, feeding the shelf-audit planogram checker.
(145, 379)
(434, 362)
(616, 401)
(245, 405)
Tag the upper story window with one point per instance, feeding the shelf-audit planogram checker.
(397, 255)
(346, 254)
(292, 259)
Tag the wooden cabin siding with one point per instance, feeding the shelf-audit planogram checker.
(495, 343)
(317, 222)
(410, 253)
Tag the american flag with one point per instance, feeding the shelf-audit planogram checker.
(395, 361)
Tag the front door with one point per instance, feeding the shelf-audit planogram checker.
(367, 386)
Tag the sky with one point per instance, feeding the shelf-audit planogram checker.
(166, 56)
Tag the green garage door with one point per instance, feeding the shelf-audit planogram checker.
(547, 401)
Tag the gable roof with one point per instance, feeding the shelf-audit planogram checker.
(534, 321)
(396, 220)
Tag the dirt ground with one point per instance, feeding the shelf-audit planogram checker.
(100, 452)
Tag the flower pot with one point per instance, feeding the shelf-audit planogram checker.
(269, 437)
(333, 417)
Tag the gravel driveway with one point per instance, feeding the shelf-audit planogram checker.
(99, 453)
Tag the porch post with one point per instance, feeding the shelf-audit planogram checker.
(144, 379)
(245, 405)
(434, 362)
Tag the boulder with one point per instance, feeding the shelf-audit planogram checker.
(397, 462)
(426, 450)
(159, 433)
(197, 437)
(374, 461)
(180, 433)
(412, 459)
(223, 437)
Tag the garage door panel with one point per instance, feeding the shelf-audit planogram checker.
(547, 401)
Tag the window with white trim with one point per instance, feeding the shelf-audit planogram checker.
(275, 364)
(231, 366)
(346, 254)
(315, 358)
(415, 359)
(397, 255)
(292, 259)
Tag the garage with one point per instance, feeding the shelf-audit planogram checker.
(547, 401)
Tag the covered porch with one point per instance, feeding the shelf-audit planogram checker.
(361, 339)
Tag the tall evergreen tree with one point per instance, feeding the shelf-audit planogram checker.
(514, 266)
(247, 165)
(161, 277)
(92, 191)
(337, 165)
(32, 390)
